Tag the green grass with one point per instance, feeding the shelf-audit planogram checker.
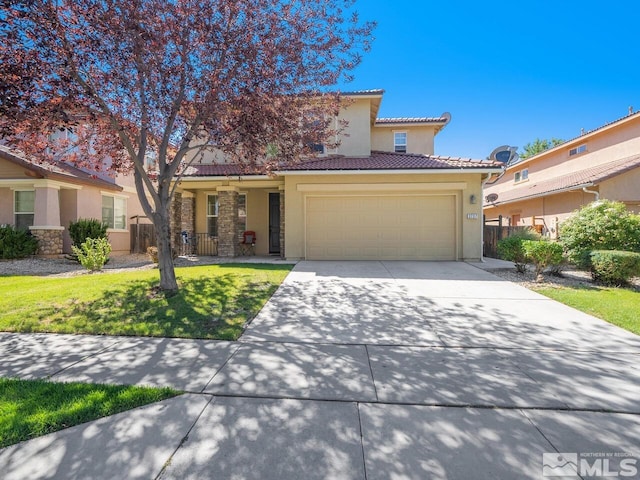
(214, 302)
(615, 305)
(31, 408)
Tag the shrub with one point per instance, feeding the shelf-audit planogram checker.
(86, 228)
(543, 254)
(613, 267)
(153, 254)
(16, 243)
(93, 253)
(511, 249)
(601, 225)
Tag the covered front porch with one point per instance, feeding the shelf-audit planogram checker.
(209, 217)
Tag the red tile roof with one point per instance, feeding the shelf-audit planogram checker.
(392, 120)
(570, 181)
(377, 161)
(56, 170)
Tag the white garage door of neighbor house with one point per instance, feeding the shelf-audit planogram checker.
(381, 227)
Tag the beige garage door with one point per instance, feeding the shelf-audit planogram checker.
(381, 227)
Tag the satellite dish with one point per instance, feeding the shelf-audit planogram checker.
(504, 154)
(492, 197)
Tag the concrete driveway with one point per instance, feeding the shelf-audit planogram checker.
(390, 370)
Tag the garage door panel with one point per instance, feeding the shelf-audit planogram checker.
(381, 227)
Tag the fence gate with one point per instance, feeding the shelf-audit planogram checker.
(143, 236)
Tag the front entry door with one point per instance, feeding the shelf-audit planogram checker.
(274, 223)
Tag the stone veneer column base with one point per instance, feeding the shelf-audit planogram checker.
(49, 240)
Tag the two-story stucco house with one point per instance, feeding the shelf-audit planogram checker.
(382, 194)
(545, 189)
(45, 198)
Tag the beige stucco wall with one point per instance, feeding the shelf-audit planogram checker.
(419, 138)
(356, 139)
(11, 170)
(625, 188)
(6, 206)
(469, 231)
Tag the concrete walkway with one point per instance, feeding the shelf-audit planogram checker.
(352, 370)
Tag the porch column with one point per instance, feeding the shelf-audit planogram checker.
(282, 222)
(188, 213)
(227, 221)
(46, 220)
(175, 219)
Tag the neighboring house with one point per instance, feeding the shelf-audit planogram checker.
(382, 194)
(545, 189)
(45, 198)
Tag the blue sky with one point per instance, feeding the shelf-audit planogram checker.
(508, 72)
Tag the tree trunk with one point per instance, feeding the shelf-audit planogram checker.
(168, 282)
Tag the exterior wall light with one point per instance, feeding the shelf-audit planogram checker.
(472, 199)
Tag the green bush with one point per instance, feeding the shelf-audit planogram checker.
(511, 249)
(543, 254)
(613, 267)
(86, 228)
(93, 253)
(16, 243)
(601, 225)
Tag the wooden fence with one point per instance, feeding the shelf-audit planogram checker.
(494, 233)
(143, 236)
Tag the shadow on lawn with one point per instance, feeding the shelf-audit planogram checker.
(205, 307)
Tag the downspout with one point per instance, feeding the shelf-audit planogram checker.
(597, 194)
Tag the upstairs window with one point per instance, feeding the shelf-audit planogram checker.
(114, 212)
(400, 142)
(24, 208)
(580, 149)
(521, 175)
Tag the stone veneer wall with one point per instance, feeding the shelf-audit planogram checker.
(282, 223)
(188, 215)
(49, 241)
(227, 223)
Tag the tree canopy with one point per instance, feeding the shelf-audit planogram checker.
(251, 78)
(539, 146)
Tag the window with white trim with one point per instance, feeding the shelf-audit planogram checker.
(212, 215)
(579, 149)
(24, 208)
(521, 175)
(400, 142)
(114, 212)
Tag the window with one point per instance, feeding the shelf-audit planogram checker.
(317, 148)
(114, 212)
(400, 142)
(521, 175)
(212, 215)
(213, 208)
(580, 149)
(24, 208)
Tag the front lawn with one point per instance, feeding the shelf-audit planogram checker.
(615, 305)
(31, 408)
(214, 302)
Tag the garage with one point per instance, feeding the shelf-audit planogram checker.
(381, 227)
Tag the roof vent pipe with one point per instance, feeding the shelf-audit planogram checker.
(597, 194)
(630, 110)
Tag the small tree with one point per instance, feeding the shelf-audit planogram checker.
(93, 253)
(511, 248)
(543, 254)
(601, 225)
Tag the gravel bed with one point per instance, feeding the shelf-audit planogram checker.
(568, 278)
(63, 267)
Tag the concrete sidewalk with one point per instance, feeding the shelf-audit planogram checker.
(352, 370)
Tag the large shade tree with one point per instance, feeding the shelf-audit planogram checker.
(168, 79)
